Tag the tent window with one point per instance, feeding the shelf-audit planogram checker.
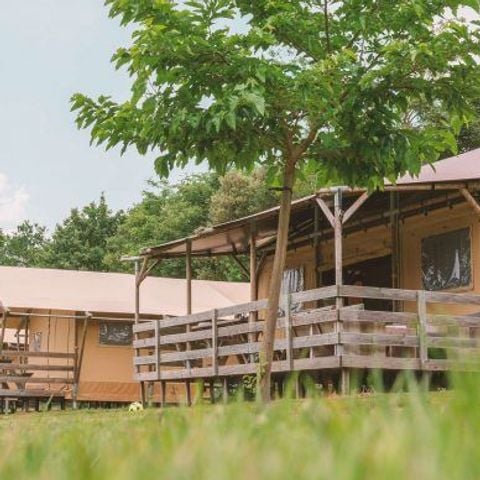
(36, 345)
(446, 260)
(293, 281)
(115, 333)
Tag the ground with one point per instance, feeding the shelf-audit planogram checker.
(379, 436)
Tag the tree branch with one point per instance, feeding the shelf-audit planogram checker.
(327, 25)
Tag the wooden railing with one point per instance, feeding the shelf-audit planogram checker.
(314, 334)
(25, 373)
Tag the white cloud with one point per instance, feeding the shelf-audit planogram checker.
(13, 203)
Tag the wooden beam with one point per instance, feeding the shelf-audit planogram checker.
(252, 316)
(82, 347)
(355, 206)
(326, 211)
(188, 327)
(243, 268)
(471, 200)
(188, 275)
(337, 225)
(4, 326)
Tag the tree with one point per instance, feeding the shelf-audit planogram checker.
(240, 195)
(80, 242)
(319, 85)
(24, 247)
(166, 212)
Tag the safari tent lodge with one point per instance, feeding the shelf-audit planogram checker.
(385, 280)
(67, 335)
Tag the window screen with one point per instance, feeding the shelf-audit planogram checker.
(446, 260)
(293, 281)
(115, 333)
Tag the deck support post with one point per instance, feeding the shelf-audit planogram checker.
(422, 327)
(395, 236)
(338, 233)
(225, 389)
(188, 277)
(138, 282)
(79, 352)
(163, 385)
(252, 316)
(211, 387)
(188, 393)
(4, 326)
(288, 331)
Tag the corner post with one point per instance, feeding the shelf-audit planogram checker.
(188, 277)
(422, 327)
(252, 316)
(4, 326)
(79, 352)
(138, 282)
(288, 331)
(338, 234)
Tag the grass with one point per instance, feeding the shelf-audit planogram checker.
(382, 436)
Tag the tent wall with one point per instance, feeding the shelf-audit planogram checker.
(377, 242)
(107, 370)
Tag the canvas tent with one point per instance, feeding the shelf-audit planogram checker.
(81, 323)
(406, 253)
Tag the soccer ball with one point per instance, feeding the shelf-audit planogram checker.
(135, 407)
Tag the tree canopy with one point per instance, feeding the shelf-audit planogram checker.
(25, 246)
(328, 83)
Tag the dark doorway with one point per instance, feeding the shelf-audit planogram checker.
(376, 272)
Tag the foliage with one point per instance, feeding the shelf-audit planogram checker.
(469, 137)
(324, 85)
(169, 212)
(240, 195)
(80, 242)
(24, 247)
(394, 436)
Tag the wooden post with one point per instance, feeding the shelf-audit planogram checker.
(288, 331)
(225, 389)
(214, 343)
(4, 326)
(395, 238)
(252, 316)
(338, 222)
(137, 320)
(212, 391)
(422, 327)
(188, 277)
(163, 384)
(316, 262)
(157, 348)
(79, 358)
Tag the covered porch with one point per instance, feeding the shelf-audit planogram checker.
(350, 309)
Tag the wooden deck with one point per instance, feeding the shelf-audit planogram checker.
(315, 333)
(37, 376)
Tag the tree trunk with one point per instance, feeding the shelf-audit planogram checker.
(266, 351)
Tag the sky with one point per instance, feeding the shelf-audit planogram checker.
(50, 49)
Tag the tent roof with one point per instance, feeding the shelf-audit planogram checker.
(37, 288)
(461, 168)
(234, 236)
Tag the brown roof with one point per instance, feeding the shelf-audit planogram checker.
(37, 288)
(234, 236)
(463, 167)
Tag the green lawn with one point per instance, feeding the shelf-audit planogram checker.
(394, 436)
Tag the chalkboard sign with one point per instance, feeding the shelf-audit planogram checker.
(446, 260)
(115, 333)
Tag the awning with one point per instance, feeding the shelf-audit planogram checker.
(434, 181)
